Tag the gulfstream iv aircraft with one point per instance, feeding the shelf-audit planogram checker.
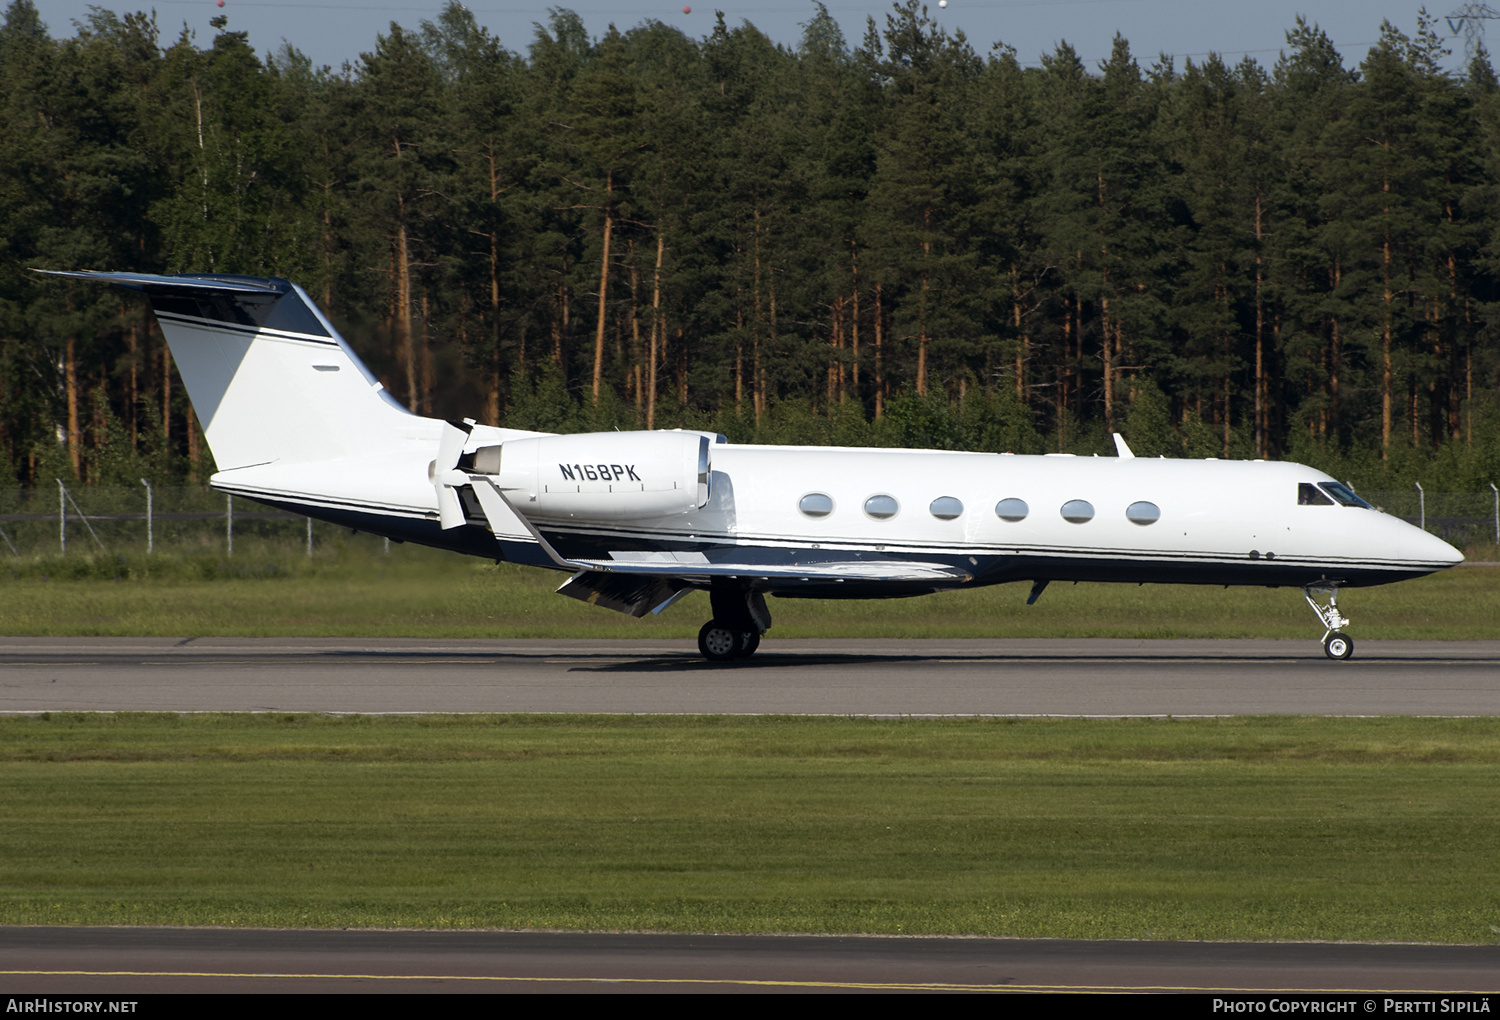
(639, 519)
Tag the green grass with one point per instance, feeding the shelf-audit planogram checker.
(1250, 828)
(269, 590)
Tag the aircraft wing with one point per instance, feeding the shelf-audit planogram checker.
(696, 564)
(638, 581)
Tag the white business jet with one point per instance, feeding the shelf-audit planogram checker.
(639, 519)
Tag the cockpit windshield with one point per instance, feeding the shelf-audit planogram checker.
(1343, 494)
(1309, 495)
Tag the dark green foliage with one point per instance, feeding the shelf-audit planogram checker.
(899, 243)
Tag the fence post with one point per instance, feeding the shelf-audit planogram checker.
(81, 515)
(62, 518)
(150, 532)
(229, 522)
(309, 538)
(1497, 512)
(1421, 506)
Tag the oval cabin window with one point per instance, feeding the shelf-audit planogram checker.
(816, 504)
(882, 507)
(1078, 511)
(946, 508)
(1012, 509)
(1143, 513)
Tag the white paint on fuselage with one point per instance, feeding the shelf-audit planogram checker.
(1209, 508)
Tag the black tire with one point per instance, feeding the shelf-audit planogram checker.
(718, 643)
(1338, 646)
(749, 642)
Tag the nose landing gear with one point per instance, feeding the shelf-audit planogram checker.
(1336, 645)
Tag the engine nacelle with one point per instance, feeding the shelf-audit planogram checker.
(600, 475)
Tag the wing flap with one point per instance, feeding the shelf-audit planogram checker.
(631, 594)
(822, 570)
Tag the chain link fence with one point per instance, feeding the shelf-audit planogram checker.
(1459, 518)
(184, 519)
(118, 519)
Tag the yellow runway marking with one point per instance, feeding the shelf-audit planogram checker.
(895, 986)
(927, 986)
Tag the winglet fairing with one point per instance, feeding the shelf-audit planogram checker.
(638, 519)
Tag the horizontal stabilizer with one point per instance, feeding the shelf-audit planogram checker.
(203, 282)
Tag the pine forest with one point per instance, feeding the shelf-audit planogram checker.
(908, 241)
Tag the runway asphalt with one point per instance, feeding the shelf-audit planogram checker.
(144, 961)
(875, 678)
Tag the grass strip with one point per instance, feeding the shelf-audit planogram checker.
(1244, 828)
(266, 592)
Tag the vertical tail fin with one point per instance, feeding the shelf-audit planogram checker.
(270, 378)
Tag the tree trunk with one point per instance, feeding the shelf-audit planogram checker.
(70, 370)
(854, 316)
(133, 336)
(402, 316)
(426, 362)
(637, 396)
(603, 283)
(879, 354)
(841, 370)
(1335, 358)
(1023, 336)
(1109, 378)
(757, 384)
(166, 397)
(1385, 349)
(1064, 372)
(492, 397)
(658, 331)
(1260, 340)
(922, 303)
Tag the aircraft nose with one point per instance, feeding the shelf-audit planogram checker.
(1420, 545)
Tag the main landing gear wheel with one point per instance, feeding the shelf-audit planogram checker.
(719, 643)
(1338, 646)
(740, 618)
